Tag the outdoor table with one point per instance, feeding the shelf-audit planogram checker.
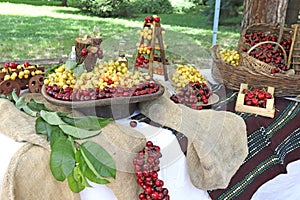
(272, 143)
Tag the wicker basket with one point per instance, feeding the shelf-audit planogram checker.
(272, 29)
(232, 77)
(247, 60)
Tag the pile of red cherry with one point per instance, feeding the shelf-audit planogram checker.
(256, 97)
(69, 94)
(268, 52)
(141, 61)
(193, 94)
(146, 166)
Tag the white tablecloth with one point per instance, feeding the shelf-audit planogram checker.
(174, 171)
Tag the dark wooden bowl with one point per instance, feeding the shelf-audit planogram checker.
(116, 108)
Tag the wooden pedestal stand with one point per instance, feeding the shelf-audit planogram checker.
(156, 44)
(90, 58)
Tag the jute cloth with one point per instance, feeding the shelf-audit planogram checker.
(217, 140)
(29, 177)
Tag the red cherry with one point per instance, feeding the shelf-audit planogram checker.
(133, 124)
(100, 52)
(269, 96)
(147, 19)
(205, 101)
(250, 94)
(142, 57)
(26, 64)
(261, 95)
(254, 101)
(13, 65)
(244, 91)
(149, 144)
(84, 52)
(255, 91)
(157, 19)
(249, 103)
(6, 65)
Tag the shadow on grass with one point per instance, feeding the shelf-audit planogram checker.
(72, 12)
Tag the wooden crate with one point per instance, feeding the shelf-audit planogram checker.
(269, 111)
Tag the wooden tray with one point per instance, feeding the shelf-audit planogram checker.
(116, 108)
(269, 111)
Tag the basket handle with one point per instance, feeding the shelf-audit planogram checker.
(266, 42)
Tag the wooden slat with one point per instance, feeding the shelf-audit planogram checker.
(296, 28)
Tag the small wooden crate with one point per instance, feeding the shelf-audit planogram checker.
(269, 111)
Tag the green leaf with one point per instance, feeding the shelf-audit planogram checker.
(20, 102)
(28, 111)
(51, 117)
(77, 71)
(14, 96)
(37, 106)
(22, 105)
(62, 158)
(10, 96)
(78, 175)
(78, 132)
(87, 171)
(99, 158)
(88, 122)
(52, 69)
(56, 133)
(62, 114)
(3, 96)
(74, 185)
(70, 65)
(42, 127)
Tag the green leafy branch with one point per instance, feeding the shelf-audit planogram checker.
(69, 159)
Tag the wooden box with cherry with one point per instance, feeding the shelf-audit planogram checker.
(259, 101)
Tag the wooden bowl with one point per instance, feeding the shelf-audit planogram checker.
(116, 108)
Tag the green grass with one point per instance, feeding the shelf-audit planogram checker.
(32, 32)
(36, 2)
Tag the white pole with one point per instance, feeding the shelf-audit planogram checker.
(215, 26)
(216, 21)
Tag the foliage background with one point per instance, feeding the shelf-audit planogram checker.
(43, 29)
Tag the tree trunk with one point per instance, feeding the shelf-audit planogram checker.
(264, 11)
(292, 12)
(64, 2)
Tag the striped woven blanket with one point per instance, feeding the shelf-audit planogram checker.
(272, 143)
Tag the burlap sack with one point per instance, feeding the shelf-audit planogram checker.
(217, 140)
(29, 177)
(121, 142)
